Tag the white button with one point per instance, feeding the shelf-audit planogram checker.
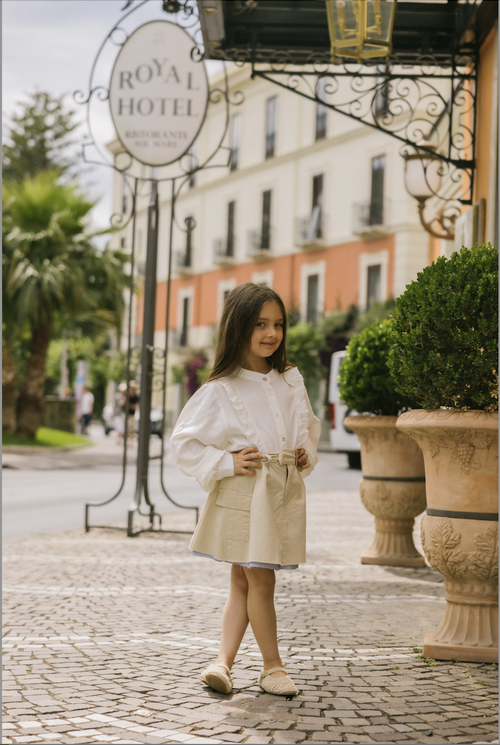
(279, 416)
(284, 439)
(271, 393)
(264, 378)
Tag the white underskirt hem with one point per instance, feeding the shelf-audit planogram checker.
(249, 565)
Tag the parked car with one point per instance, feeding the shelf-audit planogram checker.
(342, 439)
(156, 420)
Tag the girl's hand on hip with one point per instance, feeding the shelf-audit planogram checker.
(302, 459)
(245, 461)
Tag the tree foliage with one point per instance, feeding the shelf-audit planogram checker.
(303, 341)
(365, 382)
(51, 272)
(445, 334)
(38, 138)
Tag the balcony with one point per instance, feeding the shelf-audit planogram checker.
(224, 251)
(310, 231)
(183, 264)
(259, 243)
(370, 219)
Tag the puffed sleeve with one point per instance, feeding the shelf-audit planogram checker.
(310, 444)
(200, 436)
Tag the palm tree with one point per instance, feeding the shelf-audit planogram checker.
(52, 270)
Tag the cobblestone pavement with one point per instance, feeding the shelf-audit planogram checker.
(105, 637)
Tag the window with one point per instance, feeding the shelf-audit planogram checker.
(373, 285)
(231, 209)
(373, 278)
(183, 339)
(321, 110)
(193, 162)
(224, 288)
(271, 117)
(312, 298)
(315, 228)
(234, 136)
(381, 104)
(188, 255)
(376, 216)
(266, 220)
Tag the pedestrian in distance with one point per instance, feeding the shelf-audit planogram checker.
(118, 411)
(249, 436)
(133, 407)
(87, 408)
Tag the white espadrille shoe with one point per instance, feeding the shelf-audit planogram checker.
(218, 677)
(279, 686)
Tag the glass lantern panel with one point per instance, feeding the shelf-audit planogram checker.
(346, 20)
(379, 15)
(422, 177)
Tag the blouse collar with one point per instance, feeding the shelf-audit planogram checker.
(255, 376)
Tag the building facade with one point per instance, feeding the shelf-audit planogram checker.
(308, 202)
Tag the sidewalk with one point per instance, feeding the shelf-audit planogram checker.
(103, 451)
(106, 637)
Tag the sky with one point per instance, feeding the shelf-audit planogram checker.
(50, 45)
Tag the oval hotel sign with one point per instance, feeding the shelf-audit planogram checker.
(158, 94)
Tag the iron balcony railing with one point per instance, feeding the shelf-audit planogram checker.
(310, 230)
(370, 217)
(260, 242)
(224, 250)
(183, 262)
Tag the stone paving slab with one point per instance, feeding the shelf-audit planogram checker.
(105, 637)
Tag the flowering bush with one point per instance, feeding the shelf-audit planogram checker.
(192, 373)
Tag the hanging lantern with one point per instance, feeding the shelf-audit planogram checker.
(422, 172)
(360, 29)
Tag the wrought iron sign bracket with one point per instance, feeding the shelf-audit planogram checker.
(410, 103)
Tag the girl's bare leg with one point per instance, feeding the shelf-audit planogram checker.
(262, 615)
(235, 618)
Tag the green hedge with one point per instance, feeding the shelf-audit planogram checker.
(364, 381)
(444, 341)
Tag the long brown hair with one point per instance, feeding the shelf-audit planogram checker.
(241, 312)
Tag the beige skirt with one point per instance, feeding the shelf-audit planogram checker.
(256, 519)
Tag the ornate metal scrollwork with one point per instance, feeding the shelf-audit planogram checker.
(433, 98)
(134, 182)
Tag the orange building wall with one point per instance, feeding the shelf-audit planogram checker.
(341, 281)
(483, 120)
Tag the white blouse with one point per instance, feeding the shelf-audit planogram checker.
(271, 412)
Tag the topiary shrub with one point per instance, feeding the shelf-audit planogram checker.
(365, 383)
(444, 342)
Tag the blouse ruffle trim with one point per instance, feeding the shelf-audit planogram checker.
(242, 412)
(294, 377)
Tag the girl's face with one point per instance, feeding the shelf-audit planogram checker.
(267, 334)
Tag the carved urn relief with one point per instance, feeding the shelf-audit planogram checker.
(460, 528)
(392, 489)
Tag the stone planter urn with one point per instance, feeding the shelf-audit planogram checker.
(392, 489)
(460, 528)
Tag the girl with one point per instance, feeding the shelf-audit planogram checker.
(249, 436)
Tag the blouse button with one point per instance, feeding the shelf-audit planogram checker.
(284, 439)
(264, 378)
(279, 416)
(271, 393)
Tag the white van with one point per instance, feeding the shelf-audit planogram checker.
(342, 439)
